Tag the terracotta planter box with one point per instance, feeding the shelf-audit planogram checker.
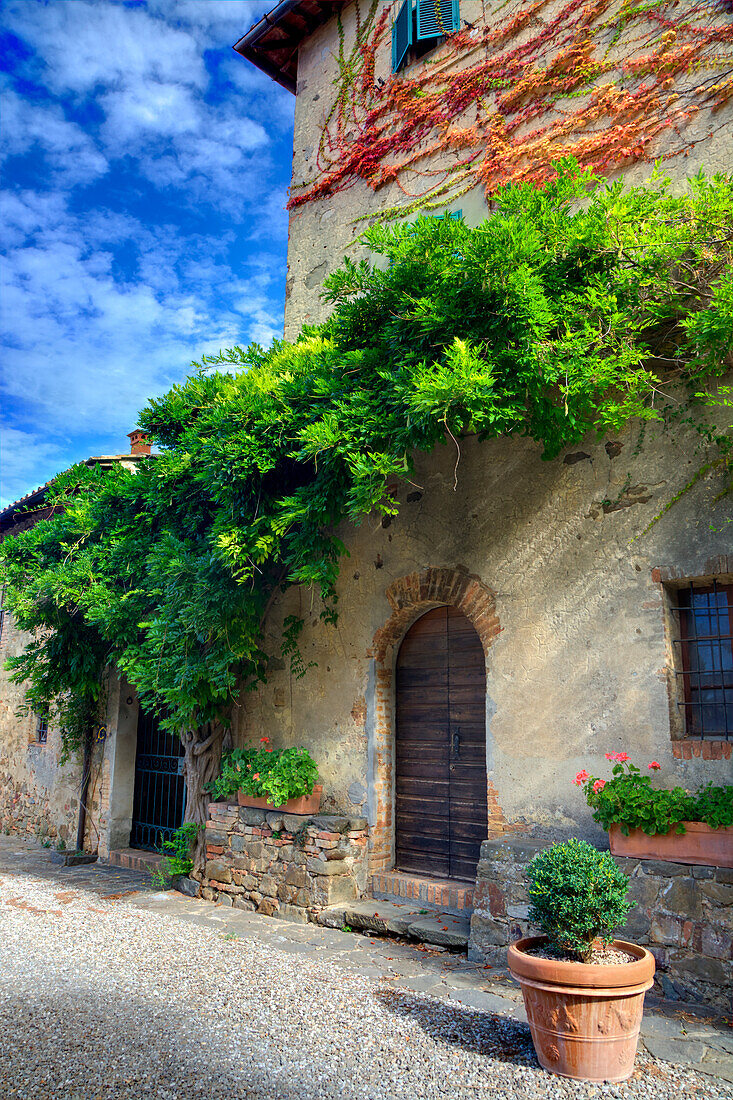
(584, 1019)
(700, 844)
(306, 804)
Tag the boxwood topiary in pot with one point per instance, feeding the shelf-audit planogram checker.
(583, 990)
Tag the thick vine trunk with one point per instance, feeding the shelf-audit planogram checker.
(201, 762)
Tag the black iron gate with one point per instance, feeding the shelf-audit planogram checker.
(160, 791)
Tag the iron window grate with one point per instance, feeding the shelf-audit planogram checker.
(704, 659)
(42, 729)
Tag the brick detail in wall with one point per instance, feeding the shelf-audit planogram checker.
(450, 896)
(704, 750)
(410, 597)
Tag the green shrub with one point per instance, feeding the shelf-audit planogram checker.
(577, 895)
(274, 774)
(177, 851)
(630, 801)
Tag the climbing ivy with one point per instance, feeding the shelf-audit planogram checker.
(571, 310)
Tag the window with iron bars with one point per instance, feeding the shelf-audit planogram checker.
(42, 729)
(702, 639)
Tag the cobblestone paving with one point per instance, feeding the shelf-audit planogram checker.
(111, 989)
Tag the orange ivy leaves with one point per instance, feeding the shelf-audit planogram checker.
(598, 80)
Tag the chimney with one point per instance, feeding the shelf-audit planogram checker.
(138, 442)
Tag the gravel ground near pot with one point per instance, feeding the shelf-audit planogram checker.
(101, 1000)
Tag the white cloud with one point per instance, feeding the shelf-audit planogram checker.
(30, 127)
(81, 46)
(102, 308)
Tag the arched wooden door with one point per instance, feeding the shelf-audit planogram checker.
(441, 811)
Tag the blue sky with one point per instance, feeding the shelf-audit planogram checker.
(143, 223)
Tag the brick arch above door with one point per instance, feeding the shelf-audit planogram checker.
(410, 597)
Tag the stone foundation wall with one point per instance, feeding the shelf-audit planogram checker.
(285, 865)
(683, 915)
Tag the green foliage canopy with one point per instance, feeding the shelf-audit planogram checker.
(570, 310)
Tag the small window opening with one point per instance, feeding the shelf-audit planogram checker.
(703, 658)
(421, 25)
(42, 729)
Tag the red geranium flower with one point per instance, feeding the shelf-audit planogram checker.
(580, 777)
(655, 765)
(256, 775)
(599, 784)
(265, 740)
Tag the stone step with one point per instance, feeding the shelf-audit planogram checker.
(445, 894)
(415, 922)
(135, 859)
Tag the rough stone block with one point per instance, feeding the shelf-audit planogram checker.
(274, 820)
(268, 906)
(358, 824)
(716, 942)
(286, 893)
(217, 869)
(666, 930)
(294, 823)
(331, 891)
(664, 869)
(238, 843)
(254, 849)
(251, 816)
(724, 875)
(717, 892)
(682, 896)
(336, 853)
(292, 913)
(643, 890)
(268, 886)
(326, 823)
(702, 969)
(518, 912)
(244, 903)
(188, 886)
(296, 876)
(327, 867)
(243, 878)
(487, 931)
(214, 836)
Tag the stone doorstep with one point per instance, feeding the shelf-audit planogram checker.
(135, 859)
(447, 895)
(413, 921)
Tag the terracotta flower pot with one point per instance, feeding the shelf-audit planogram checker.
(306, 804)
(700, 844)
(584, 1018)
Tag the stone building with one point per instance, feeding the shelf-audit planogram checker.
(512, 625)
(39, 796)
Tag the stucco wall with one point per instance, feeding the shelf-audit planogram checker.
(323, 231)
(37, 796)
(580, 666)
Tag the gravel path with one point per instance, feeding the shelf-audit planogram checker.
(99, 999)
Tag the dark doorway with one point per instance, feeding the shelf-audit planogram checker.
(441, 811)
(160, 791)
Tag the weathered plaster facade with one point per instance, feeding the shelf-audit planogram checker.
(37, 796)
(324, 230)
(578, 661)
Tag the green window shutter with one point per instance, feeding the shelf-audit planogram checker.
(437, 17)
(401, 34)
